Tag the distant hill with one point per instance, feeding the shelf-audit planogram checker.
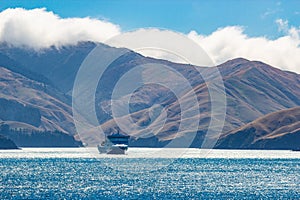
(277, 130)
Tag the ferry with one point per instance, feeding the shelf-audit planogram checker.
(114, 144)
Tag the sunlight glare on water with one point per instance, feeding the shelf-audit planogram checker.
(76, 174)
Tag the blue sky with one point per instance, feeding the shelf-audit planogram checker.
(256, 16)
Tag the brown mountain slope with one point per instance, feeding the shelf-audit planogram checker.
(277, 130)
(27, 104)
(255, 89)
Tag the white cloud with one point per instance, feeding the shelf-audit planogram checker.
(268, 13)
(283, 25)
(39, 28)
(231, 42)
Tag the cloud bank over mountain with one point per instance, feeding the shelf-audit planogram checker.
(39, 28)
(231, 42)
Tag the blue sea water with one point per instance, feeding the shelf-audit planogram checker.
(75, 175)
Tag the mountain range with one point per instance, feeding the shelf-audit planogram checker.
(36, 88)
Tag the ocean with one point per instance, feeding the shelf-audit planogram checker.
(144, 173)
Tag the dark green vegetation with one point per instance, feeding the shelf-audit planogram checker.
(36, 88)
(6, 143)
(32, 138)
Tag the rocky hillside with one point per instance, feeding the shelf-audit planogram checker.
(277, 130)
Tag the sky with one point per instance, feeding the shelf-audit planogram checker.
(261, 30)
(258, 17)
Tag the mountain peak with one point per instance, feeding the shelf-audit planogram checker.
(236, 61)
